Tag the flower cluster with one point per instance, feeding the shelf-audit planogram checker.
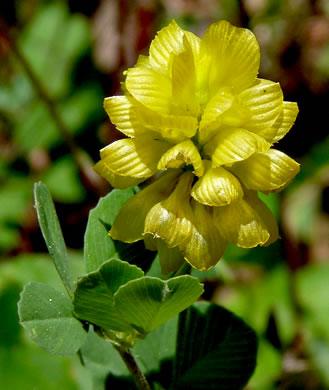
(202, 125)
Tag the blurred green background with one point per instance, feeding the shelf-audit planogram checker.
(58, 60)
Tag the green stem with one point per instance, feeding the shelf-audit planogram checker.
(133, 368)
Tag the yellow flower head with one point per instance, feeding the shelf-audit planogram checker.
(197, 116)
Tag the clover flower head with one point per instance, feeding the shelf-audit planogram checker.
(200, 122)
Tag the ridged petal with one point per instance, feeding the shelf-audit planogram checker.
(116, 181)
(268, 172)
(240, 224)
(170, 258)
(184, 100)
(236, 116)
(284, 122)
(129, 224)
(201, 64)
(217, 187)
(168, 42)
(122, 113)
(235, 56)
(205, 246)
(133, 157)
(195, 43)
(211, 118)
(172, 219)
(182, 154)
(231, 145)
(150, 88)
(264, 100)
(174, 128)
(143, 61)
(266, 215)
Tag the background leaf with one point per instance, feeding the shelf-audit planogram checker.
(218, 350)
(47, 315)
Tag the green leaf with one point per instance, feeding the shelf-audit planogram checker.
(52, 233)
(94, 294)
(118, 297)
(99, 246)
(47, 315)
(218, 350)
(149, 302)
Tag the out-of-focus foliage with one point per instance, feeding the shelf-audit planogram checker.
(77, 54)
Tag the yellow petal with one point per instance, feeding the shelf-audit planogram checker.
(133, 157)
(116, 181)
(217, 187)
(268, 172)
(236, 116)
(284, 122)
(195, 43)
(240, 224)
(266, 215)
(205, 246)
(150, 88)
(202, 64)
(170, 258)
(172, 219)
(174, 128)
(235, 56)
(143, 61)
(181, 154)
(168, 42)
(121, 111)
(183, 83)
(264, 100)
(231, 145)
(129, 224)
(211, 118)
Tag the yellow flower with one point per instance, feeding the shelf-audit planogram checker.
(197, 117)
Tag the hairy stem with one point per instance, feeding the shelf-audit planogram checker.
(133, 368)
